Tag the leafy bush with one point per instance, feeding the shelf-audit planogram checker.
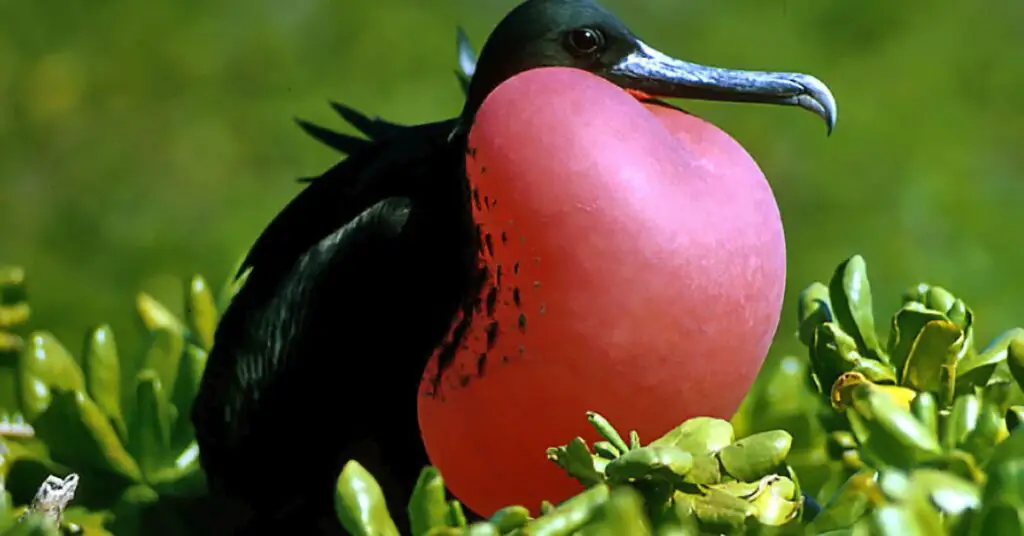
(121, 423)
(919, 434)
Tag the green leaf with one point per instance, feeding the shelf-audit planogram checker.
(917, 293)
(14, 306)
(34, 524)
(11, 348)
(939, 299)
(907, 324)
(79, 434)
(718, 511)
(888, 433)
(130, 508)
(360, 505)
(814, 307)
(102, 368)
(776, 501)
(989, 430)
(850, 502)
(960, 315)
(1004, 497)
(479, 529)
(834, 353)
(428, 506)
(1002, 519)
(88, 522)
(926, 410)
(606, 450)
(702, 438)
(932, 359)
(892, 520)
(975, 370)
(34, 451)
(1009, 450)
(850, 291)
(190, 373)
(944, 491)
(456, 516)
(150, 431)
(698, 435)
(667, 464)
(569, 516)
(753, 457)
(510, 518)
(1015, 359)
(622, 514)
(678, 520)
(156, 316)
(1014, 417)
(46, 365)
(962, 418)
(163, 356)
(232, 287)
(607, 431)
(577, 460)
(201, 311)
(182, 477)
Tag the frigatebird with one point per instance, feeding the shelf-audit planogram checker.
(357, 282)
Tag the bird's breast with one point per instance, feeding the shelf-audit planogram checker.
(633, 264)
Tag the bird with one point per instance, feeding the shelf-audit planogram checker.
(371, 272)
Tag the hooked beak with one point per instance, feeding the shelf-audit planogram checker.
(658, 75)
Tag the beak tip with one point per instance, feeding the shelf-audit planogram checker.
(818, 98)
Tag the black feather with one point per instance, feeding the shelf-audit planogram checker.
(375, 128)
(340, 142)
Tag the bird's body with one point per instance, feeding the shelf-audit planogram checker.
(378, 245)
(378, 265)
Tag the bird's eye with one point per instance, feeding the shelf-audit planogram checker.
(585, 41)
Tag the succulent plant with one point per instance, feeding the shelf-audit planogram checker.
(697, 477)
(919, 434)
(921, 421)
(14, 313)
(122, 424)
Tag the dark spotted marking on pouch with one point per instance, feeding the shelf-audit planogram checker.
(492, 335)
(489, 243)
(492, 300)
(481, 365)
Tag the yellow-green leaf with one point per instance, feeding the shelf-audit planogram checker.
(79, 434)
(201, 311)
(155, 315)
(698, 435)
(360, 505)
(45, 365)
(755, 456)
(150, 431)
(102, 368)
(164, 356)
(932, 359)
(190, 373)
(428, 506)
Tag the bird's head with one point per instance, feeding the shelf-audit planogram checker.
(582, 34)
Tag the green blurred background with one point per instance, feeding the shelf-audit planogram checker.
(143, 141)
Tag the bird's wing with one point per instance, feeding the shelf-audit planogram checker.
(260, 346)
(323, 280)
